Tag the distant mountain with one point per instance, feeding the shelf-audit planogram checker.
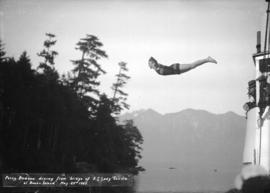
(190, 150)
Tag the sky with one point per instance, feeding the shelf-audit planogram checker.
(172, 31)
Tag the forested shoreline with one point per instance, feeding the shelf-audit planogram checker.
(63, 123)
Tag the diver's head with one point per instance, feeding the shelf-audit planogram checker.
(152, 62)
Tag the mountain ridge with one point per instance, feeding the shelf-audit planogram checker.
(150, 110)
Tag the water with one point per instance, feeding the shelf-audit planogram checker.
(182, 180)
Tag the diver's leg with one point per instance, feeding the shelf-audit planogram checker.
(189, 66)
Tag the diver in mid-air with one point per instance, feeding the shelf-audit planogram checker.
(177, 68)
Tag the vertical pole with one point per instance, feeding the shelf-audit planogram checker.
(266, 29)
(260, 146)
(254, 154)
(258, 46)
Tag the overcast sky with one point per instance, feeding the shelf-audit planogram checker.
(132, 31)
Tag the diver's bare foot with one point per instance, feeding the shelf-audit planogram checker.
(211, 60)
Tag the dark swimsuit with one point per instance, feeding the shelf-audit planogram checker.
(168, 70)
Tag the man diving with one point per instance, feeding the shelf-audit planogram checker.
(177, 68)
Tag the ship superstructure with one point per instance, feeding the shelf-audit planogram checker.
(257, 142)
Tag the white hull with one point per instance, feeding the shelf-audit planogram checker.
(257, 142)
(250, 154)
(265, 145)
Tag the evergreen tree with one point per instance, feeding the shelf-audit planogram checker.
(105, 136)
(2, 108)
(119, 146)
(119, 96)
(24, 61)
(47, 66)
(87, 69)
(2, 52)
(132, 149)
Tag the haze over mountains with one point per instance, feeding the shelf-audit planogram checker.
(192, 150)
